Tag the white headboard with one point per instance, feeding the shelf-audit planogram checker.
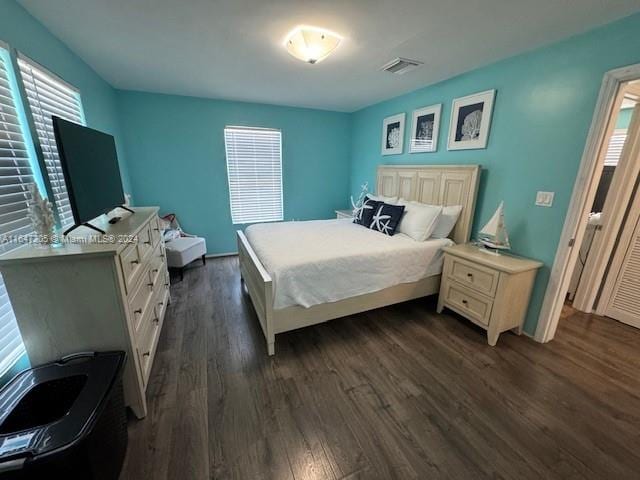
(436, 185)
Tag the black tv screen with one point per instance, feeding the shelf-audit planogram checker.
(90, 167)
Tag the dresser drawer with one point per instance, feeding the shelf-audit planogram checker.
(161, 297)
(140, 301)
(156, 264)
(145, 241)
(147, 342)
(131, 265)
(468, 302)
(155, 230)
(476, 277)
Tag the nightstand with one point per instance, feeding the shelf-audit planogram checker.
(492, 291)
(344, 213)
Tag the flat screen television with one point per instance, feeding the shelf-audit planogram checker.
(90, 168)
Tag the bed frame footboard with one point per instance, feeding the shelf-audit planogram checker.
(260, 287)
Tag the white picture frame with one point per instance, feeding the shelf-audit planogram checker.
(425, 127)
(393, 134)
(471, 121)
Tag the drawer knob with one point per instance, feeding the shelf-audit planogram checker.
(156, 320)
(150, 285)
(470, 275)
(166, 284)
(156, 229)
(155, 270)
(135, 262)
(160, 303)
(146, 354)
(162, 255)
(138, 310)
(464, 302)
(147, 242)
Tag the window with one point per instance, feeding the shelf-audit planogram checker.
(254, 170)
(47, 95)
(616, 144)
(16, 175)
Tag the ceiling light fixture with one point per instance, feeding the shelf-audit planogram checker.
(311, 44)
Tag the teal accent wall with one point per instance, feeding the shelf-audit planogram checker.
(178, 159)
(24, 33)
(624, 118)
(543, 109)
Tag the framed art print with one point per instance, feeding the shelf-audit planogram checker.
(424, 129)
(393, 134)
(470, 121)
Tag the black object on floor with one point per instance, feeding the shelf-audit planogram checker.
(66, 419)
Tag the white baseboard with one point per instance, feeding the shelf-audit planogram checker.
(216, 255)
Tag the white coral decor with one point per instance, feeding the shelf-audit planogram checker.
(41, 216)
(357, 205)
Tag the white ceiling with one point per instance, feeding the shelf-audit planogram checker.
(233, 49)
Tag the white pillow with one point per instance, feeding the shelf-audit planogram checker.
(418, 220)
(382, 198)
(447, 221)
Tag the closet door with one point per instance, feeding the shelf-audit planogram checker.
(621, 292)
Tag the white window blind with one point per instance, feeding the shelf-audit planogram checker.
(616, 144)
(254, 170)
(47, 96)
(15, 177)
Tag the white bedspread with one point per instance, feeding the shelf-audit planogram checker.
(325, 261)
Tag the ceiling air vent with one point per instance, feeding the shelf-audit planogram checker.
(401, 65)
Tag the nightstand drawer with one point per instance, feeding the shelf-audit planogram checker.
(468, 303)
(477, 277)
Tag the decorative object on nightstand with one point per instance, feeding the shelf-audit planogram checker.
(494, 234)
(357, 205)
(491, 291)
(344, 214)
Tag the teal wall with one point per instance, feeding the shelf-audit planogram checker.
(179, 161)
(543, 109)
(21, 31)
(24, 33)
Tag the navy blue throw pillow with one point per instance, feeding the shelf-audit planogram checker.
(365, 213)
(386, 218)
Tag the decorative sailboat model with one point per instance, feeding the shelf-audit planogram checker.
(494, 234)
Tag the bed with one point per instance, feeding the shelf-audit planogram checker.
(303, 273)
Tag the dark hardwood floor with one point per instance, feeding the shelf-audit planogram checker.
(399, 392)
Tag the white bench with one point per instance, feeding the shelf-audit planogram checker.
(184, 250)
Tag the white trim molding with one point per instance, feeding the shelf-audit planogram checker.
(581, 200)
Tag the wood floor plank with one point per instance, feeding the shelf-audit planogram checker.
(399, 392)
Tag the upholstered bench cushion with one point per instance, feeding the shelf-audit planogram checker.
(184, 250)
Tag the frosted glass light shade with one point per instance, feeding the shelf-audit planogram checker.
(311, 44)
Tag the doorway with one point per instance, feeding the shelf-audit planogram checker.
(612, 221)
(598, 237)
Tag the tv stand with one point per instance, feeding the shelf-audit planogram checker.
(93, 227)
(85, 224)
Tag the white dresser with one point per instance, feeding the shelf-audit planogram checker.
(110, 294)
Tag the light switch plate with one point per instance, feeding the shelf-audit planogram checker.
(545, 199)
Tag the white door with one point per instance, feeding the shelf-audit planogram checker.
(622, 288)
